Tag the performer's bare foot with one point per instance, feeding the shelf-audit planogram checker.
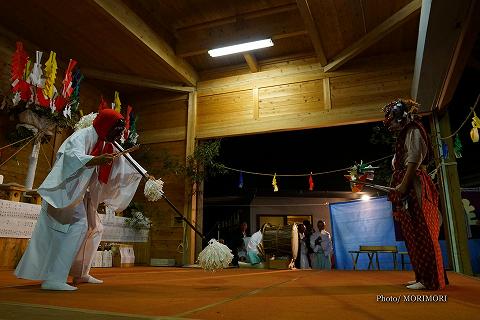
(411, 282)
(87, 279)
(56, 285)
(416, 286)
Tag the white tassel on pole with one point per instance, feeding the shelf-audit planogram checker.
(153, 189)
(215, 256)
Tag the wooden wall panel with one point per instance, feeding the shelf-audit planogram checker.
(292, 98)
(221, 107)
(161, 120)
(162, 115)
(162, 129)
(369, 88)
(299, 95)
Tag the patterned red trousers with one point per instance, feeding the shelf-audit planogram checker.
(421, 227)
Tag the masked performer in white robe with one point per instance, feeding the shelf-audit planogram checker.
(69, 230)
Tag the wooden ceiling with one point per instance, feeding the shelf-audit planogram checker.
(166, 41)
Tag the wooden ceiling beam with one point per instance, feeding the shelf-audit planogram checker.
(134, 80)
(282, 25)
(251, 61)
(312, 30)
(463, 49)
(240, 17)
(446, 36)
(122, 14)
(386, 27)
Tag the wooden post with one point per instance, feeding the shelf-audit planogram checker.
(199, 198)
(190, 207)
(32, 165)
(454, 224)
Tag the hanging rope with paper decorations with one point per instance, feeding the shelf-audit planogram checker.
(309, 175)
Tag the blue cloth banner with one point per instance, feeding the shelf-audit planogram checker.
(356, 223)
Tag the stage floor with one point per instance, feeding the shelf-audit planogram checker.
(189, 293)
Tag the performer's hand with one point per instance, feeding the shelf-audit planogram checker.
(401, 188)
(151, 177)
(102, 159)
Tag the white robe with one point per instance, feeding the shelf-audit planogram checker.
(321, 252)
(304, 264)
(68, 230)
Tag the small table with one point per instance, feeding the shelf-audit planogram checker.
(373, 251)
(402, 259)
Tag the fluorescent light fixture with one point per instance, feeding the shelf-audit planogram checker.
(242, 47)
(365, 197)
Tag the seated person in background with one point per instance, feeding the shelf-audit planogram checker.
(321, 243)
(253, 252)
(238, 244)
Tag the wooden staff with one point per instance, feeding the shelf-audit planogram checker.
(143, 172)
(374, 186)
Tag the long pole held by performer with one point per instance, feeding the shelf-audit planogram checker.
(143, 172)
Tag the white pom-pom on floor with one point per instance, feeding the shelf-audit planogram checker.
(85, 121)
(215, 256)
(153, 190)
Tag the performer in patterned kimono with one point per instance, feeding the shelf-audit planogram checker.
(415, 199)
(68, 231)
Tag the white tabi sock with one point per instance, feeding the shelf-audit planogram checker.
(416, 286)
(58, 286)
(87, 279)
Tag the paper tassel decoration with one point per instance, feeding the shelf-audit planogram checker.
(117, 103)
(19, 60)
(240, 182)
(103, 104)
(127, 122)
(457, 148)
(360, 173)
(75, 97)
(153, 190)
(310, 182)
(22, 91)
(67, 80)
(133, 136)
(35, 77)
(476, 126)
(28, 69)
(444, 151)
(215, 256)
(274, 183)
(50, 75)
(41, 99)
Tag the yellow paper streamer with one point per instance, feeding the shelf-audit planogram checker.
(274, 183)
(50, 75)
(476, 126)
(118, 104)
(28, 69)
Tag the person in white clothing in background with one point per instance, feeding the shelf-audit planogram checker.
(253, 252)
(321, 242)
(68, 231)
